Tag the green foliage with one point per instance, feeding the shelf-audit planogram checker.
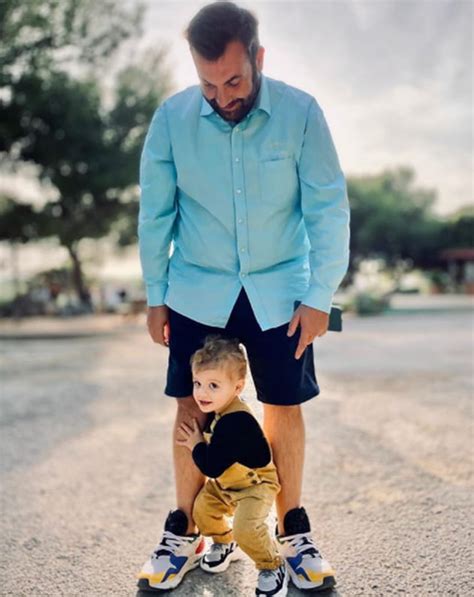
(459, 229)
(392, 219)
(41, 35)
(365, 303)
(138, 92)
(53, 114)
(19, 222)
(63, 131)
(89, 155)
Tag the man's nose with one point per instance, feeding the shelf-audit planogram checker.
(223, 98)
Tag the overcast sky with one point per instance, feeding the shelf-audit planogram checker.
(393, 77)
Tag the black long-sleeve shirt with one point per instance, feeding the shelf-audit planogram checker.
(237, 437)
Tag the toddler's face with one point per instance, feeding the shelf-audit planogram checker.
(214, 389)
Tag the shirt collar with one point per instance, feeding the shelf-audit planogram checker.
(262, 102)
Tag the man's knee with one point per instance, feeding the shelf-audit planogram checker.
(187, 409)
(283, 413)
(186, 404)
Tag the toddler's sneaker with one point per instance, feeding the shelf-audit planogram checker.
(219, 556)
(308, 570)
(176, 554)
(272, 583)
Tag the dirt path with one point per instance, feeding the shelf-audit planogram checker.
(85, 461)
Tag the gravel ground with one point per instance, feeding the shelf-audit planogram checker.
(86, 461)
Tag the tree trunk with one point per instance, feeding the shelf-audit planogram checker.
(15, 269)
(17, 304)
(78, 277)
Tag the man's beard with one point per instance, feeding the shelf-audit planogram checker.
(242, 106)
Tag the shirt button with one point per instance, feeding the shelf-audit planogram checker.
(242, 249)
(241, 221)
(238, 191)
(237, 160)
(243, 275)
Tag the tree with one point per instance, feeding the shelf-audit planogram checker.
(89, 155)
(86, 148)
(459, 229)
(392, 219)
(19, 222)
(41, 36)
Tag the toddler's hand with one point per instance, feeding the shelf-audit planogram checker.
(191, 435)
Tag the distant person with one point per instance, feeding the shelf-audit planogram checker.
(241, 175)
(86, 301)
(122, 295)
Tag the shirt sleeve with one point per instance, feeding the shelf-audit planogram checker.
(158, 208)
(237, 437)
(325, 210)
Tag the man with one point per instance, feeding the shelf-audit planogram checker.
(240, 175)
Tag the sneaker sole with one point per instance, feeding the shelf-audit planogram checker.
(329, 582)
(144, 584)
(236, 555)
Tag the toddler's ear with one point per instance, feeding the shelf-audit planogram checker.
(240, 385)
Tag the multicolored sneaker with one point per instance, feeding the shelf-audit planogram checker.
(308, 570)
(272, 583)
(219, 556)
(176, 554)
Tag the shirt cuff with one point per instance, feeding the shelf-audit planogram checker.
(155, 294)
(318, 298)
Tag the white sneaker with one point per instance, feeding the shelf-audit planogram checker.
(219, 556)
(308, 570)
(173, 557)
(272, 583)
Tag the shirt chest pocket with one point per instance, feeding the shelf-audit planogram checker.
(278, 178)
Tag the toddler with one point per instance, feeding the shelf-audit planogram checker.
(234, 453)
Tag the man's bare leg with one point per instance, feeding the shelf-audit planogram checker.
(284, 428)
(188, 478)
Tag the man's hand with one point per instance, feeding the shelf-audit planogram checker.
(191, 435)
(314, 323)
(158, 325)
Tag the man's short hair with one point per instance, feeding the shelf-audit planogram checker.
(220, 352)
(217, 24)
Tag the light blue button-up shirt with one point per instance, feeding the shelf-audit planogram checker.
(262, 204)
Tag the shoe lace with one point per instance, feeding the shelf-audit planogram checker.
(268, 574)
(217, 547)
(168, 544)
(304, 545)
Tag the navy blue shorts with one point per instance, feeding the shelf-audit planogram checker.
(279, 378)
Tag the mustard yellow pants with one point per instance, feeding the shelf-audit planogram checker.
(250, 508)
